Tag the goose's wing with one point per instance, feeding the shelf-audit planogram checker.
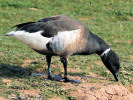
(51, 25)
(56, 24)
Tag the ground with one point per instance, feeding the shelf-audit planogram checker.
(88, 89)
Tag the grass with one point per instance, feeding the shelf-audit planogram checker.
(111, 20)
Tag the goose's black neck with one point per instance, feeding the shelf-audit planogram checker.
(97, 44)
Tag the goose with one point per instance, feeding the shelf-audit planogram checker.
(63, 36)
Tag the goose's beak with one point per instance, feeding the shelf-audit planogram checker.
(116, 76)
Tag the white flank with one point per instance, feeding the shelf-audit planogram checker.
(34, 40)
(60, 42)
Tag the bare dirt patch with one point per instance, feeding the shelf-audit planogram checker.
(25, 95)
(7, 81)
(32, 92)
(131, 56)
(72, 70)
(26, 63)
(33, 9)
(130, 88)
(56, 98)
(99, 91)
(128, 42)
(84, 18)
(130, 18)
(2, 98)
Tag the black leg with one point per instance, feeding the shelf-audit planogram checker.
(48, 58)
(64, 61)
(50, 75)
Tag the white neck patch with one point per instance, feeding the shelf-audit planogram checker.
(105, 52)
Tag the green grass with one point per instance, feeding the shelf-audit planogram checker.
(111, 20)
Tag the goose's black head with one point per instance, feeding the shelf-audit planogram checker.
(111, 61)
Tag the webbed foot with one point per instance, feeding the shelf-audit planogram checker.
(55, 77)
(71, 80)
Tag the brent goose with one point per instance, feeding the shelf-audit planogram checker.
(63, 36)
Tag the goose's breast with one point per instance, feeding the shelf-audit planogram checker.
(67, 42)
